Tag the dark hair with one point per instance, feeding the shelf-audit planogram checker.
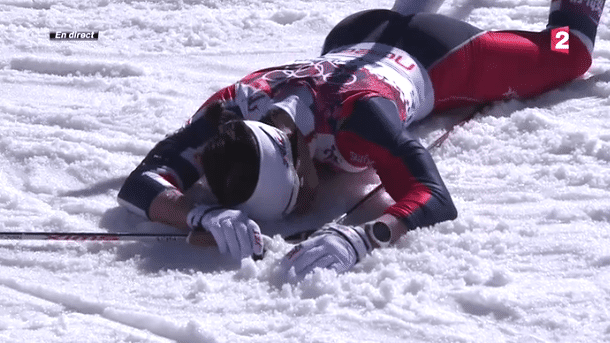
(217, 114)
(231, 158)
(292, 137)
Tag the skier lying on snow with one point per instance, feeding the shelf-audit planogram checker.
(253, 143)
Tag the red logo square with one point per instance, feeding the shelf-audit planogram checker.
(560, 39)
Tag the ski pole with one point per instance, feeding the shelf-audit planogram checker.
(92, 236)
(202, 239)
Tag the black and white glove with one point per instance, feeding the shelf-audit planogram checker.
(334, 246)
(233, 231)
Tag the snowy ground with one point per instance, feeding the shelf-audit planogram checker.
(527, 261)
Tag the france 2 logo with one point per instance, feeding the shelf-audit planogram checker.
(560, 39)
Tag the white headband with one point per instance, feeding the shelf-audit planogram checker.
(278, 184)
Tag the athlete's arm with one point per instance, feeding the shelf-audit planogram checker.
(172, 205)
(166, 172)
(374, 133)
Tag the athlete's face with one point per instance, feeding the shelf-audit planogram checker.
(307, 174)
(303, 162)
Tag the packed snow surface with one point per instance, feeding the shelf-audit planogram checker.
(528, 259)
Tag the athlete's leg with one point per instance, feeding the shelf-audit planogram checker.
(407, 7)
(379, 25)
(426, 36)
(512, 64)
(581, 16)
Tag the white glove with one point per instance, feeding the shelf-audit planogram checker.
(233, 231)
(334, 246)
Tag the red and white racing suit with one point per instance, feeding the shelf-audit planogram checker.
(379, 72)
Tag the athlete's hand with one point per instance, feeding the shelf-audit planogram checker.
(334, 246)
(233, 231)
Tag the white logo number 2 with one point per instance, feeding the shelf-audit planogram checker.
(564, 38)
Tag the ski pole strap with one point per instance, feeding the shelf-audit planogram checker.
(193, 218)
(355, 235)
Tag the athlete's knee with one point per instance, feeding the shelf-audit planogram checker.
(579, 54)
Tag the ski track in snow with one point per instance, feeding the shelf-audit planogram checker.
(527, 261)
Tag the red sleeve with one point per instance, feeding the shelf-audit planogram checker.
(375, 133)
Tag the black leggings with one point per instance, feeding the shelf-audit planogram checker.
(426, 36)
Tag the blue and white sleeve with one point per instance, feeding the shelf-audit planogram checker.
(170, 164)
